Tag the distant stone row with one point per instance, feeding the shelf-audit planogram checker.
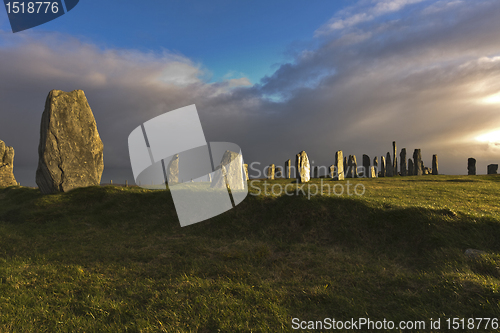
(492, 169)
(347, 167)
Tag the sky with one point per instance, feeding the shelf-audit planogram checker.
(275, 77)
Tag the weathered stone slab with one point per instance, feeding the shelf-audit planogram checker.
(271, 171)
(233, 170)
(435, 165)
(417, 163)
(382, 166)
(411, 168)
(471, 166)
(6, 166)
(245, 169)
(395, 159)
(492, 169)
(70, 150)
(302, 167)
(388, 166)
(339, 165)
(373, 173)
(352, 167)
(402, 161)
(288, 167)
(366, 166)
(278, 173)
(219, 179)
(173, 170)
(333, 171)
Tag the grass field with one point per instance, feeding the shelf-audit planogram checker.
(114, 259)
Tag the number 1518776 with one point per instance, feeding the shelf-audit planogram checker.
(31, 7)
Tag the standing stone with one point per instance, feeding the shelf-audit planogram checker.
(366, 166)
(173, 170)
(388, 166)
(6, 165)
(410, 167)
(339, 166)
(345, 165)
(352, 167)
(278, 172)
(245, 169)
(234, 170)
(288, 166)
(332, 171)
(70, 153)
(382, 166)
(314, 173)
(402, 159)
(471, 166)
(270, 172)
(435, 165)
(395, 159)
(375, 164)
(492, 169)
(302, 167)
(417, 163)
(219, 179)
(373, 173)
(423, 167)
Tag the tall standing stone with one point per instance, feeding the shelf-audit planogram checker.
(332, 171)
(345, 165)
(411, 169)
(492, 169)
(245, 169)
(70, 153)
(388, 166)
(6, 165)
(219, 180)
(173, 170)
(314, 172)
(352, 167)
(402, 159)
(288, 167)
(382, 166)
(435, 165)
(339, 165)
(366, 166)
(230, 171)
(417, 163)
(471, 166)
(375, 164)
(395, 159)
(373, 173)
(271, 172)
(302, 167)
(278, 173)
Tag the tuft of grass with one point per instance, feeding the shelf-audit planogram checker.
(115, 259)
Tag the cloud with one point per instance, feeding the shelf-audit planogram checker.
(417, 79)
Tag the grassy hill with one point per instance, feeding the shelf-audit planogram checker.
(115, 259)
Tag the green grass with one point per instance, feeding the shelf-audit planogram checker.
(115, 259)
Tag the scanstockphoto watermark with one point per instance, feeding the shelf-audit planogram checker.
(309, 189)
(255, 172)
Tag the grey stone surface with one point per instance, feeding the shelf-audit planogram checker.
(435, 170)
(417, 163)
(245, 169)
(402, 160)
(394, 159)
(366, 166)
(382, 166)
(302, 167)
(373, 173)
(352, 167)
(278, 173)
(314, 172)
(471, 166)
(339, 165)
(345, 166)
(271, 171)
(70, 153)
(492, 169)
(234, 170)
(288, 169)
(173, 170)
(388, 166)
(219, 180)
(332, 171)
(6, 165)
(411, 169)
